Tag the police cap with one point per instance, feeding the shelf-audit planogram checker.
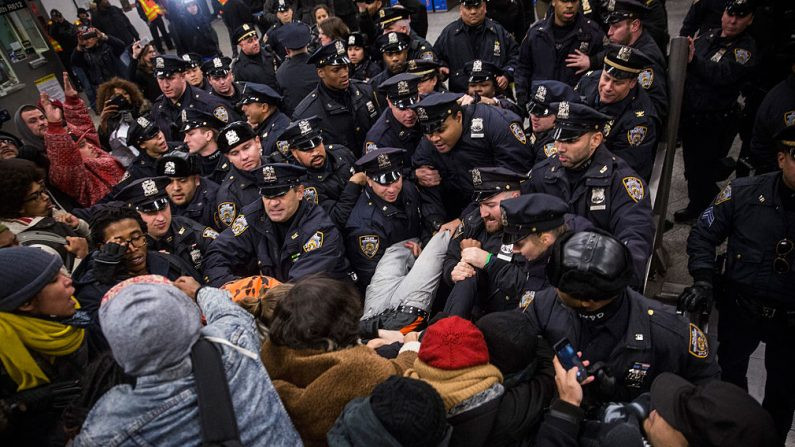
(401, 90)
(392, 14)
(424, 68)
(282, 6)
(382, 165)
(434, 109)
(166, 65)
(177, 164)
(275, 179)
(530, 214)
(146, 194)
(243, 32)
(544, 93)
(625, 62)
(490, 181)
(574, 119)
(334, 53)
(217, 66)
(303, 134)
(193, 60)
(233, 135)
(295, 35)
(618, 10)
(472, 3)
(480, 71)
(357, 39)
(253, 92)
(740, 7)
(193, 118)
(392, 42)
(785, 140)
(142, 129)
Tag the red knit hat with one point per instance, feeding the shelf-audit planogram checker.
(453, 343)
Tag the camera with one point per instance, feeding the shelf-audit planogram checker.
(120, 102)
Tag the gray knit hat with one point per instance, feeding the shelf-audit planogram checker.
(24, 271)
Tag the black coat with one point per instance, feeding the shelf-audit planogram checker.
(65, 33)
(197, 35)
(235, 14)
(101, 62)
(113, 22)
(259, 68)
(296, 80)
(237, 190)
(202, 208)
(167, 115)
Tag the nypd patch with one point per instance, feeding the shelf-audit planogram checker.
(741, 55)
(646, 78)
(221, 113)
(209, 233)
(698, 346)
(527, 298)
(636, 135)
(240, 225)
(314, 242)
(518, 133)
(369, 244)
(310, 194)
(550, 149)
(634, 187)
(789, 118)
(724, 195)
(227, 212)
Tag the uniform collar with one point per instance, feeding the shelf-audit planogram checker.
(388, 209)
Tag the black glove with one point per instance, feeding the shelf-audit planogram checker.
(108, 261)
(697, 298)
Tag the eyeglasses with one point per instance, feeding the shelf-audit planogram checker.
(134, 242)
(36, 195)
(783, 248)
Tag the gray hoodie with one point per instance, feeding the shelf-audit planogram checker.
(23, 131)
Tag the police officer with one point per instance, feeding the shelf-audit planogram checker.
(201, 130)
(288, 236)
(330, 179)
(346, 108)
(397, 126)
(459, 139)
(776, 112)
(482, 86)
(253, 63)
(296, 77)
(243, 149)
(632, 132)
(178, 96)
(702, 17)
(632, 338)
(260, 104)
(151, 144)
(193, 73)
(284, 15)
(474, 36)
(542, 117)
(428, 71)
(755, 299)
(393, 48)
(190, 195)
(178, 235)
(719, 62)
(549, 42)
(396, 19)
(389, 210)
(222, 81)
(595, 183)
(362, 66)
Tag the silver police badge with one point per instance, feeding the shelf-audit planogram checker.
(624, 53)
(476, 179)
(422, 115)
(340, 47)
(392, 38)
(477, 65)
(541, 94)
(227, 212)
(351, 40)
(403, 88)
(196, 256)
(497, 48)
(268, 174)
(149, 187)
(217, 62)
(142, 121)
(563, 110)
(598, 199)
(160, 62)
(170, 168)
(383, 161)
(477, 127)
(611, 5)
(304, 127)
(184, 115)
(231, 137)
(369, 244)
(186, 58)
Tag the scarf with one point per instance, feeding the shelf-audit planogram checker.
(20, 334)
(456, 385)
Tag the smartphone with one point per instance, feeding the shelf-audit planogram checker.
(145, 41)
(568, 358)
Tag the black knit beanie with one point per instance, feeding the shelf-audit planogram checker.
(24, 271)
(410, 410)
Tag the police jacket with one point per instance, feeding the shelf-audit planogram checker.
(776, 112)
(187, 239)
(329, 186)
(270, 129)
(234, 98)
(702, 16)
(296, 79)
(166, 114)
(311, 244)
(543, 145)
(632, 133)
(388, 132)
(202, 208)
(609, 194)
(238, 189)
(751, 214)
(542, 58)
(235, 13)
(490, 138)
(718, 70)
(365, 69)
(490, 42)
(344, 116)
(197, 35)
(644, 341)
(419, 48)
(143, 166)
(259, 68)
(214, 167)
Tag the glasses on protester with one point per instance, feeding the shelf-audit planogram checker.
(783, 248)
(133, 242)
(36, 195)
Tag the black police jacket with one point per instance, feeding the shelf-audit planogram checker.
(652, 341)
(187, 239)
(296, 80)
(632, 132)
(270, 129)
(202, 208)
(259, 68)
(609, 194)
(342, 124)
(365, 69)
(234, 98)
(312, 244)
(237, 190)
(541, 58)
(776, 112)
(329, 186)
(388, 132)
(167, 114)
(749, 213)
(489, 42)
(419, 48)
(490, 137)
(719, 68)
(214, 167)
(543, 145)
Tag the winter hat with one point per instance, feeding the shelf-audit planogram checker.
(453, 343)
(410, 410)
(510, 339)
(22, 284)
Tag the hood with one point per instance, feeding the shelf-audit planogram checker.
(22, 130)
(358, 426)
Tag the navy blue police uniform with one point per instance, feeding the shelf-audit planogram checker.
(401, 91)
(272, 126)
(239, 187)
(388, 44)
(260, 67)
(221, 67)
(201, 208)
(542, 95)
(419, 48)
(296, 77)
(215, 166)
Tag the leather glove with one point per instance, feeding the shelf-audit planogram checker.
(108, 261)
(697, 298)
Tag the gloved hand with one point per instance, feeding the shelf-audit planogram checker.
(697, 298)
(108, 261)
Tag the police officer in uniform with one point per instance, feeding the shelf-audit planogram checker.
(542, 116)
(244, 151)
(222, 81)
(330, 179)
(201, 130)
(190, 195)
(474, 36)
(428, 71)
(397, 126)
(260, 105)
(393, 48)
(288, 236)
(253, 63)
(151, 144)
(178, 96)
(615, 91)
(776, 112)
(595, 183)
(396, 19)
(459, 139)
(754, 295)
(285, 16)
(178, 235)
(347, 108)
(193, 73)
(482, 87)
(719, 63)
(296, 77)
(362, 66)
(633, 338)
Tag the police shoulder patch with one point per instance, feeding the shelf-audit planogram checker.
(724, 195)
(209, 233)
(310, 194)
(634, 187)
(646, 78)
(227, 212)
(789, 118)
(370, 146)
(636, 135)
(742, 55)
(240, 225)
(698, 346)
(550, 149)
(527, 298)
(518, 133)
(221, 113)
(314, 242)
(369, 244)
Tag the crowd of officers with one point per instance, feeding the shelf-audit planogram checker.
(315, 154)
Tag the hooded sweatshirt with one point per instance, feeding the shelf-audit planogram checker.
(27, 135)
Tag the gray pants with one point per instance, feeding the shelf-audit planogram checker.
(402, 279)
